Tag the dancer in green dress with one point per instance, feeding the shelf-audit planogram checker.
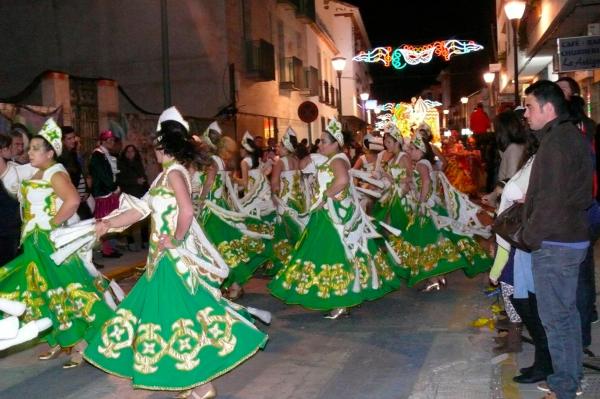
(66, 292)
(394, 207)
(336, 263)
(174, 331)
(242, 239)
(427, 247)
(289, 195)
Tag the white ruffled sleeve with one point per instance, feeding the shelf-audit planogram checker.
(15, 174)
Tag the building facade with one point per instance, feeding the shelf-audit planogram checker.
(249, 63)
(543, 22)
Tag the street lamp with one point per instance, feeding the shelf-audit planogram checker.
(488, 78)
(464, 101)
(514, 10)
(364, 97)
(339, 63)
(445, 120)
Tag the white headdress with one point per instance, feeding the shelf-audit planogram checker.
(287, 143)
(206, 137)
(374, 143)
(335, 129)
(53, 135)
(172, 114)
(419, 143)
(393, 131)
(247, 137)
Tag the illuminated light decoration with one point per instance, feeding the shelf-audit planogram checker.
(387, 107)
(384, 117)
(432, 104)
(407, 54)
(378, 54)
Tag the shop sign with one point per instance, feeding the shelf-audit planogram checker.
(578, 53)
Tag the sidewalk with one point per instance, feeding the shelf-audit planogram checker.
(507, 369)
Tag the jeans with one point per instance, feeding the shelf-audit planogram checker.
(555, 275)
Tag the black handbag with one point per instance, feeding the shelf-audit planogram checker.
(509, 225)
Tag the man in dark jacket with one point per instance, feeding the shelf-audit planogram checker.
(10, 221)
(103, 169)
(70, 160)
(555, 227)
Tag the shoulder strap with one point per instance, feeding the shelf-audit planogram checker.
(286, 163)
(184, 171)
(340, 155)
(57, 167)
(219, 162)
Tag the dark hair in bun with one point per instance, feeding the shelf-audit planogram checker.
(173, 139)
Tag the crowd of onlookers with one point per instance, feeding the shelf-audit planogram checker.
(109, 170)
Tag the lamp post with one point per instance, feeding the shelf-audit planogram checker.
(488, 78)
(364, 97)
(514, 10)
(445, 120)
(464, 101)
(339, 63)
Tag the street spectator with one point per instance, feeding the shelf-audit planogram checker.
(315, 147)
(132, 180)
(480, 121)
(10, 222)
(586, 287)
(555, 228)
(19, 143)
(510, 140)
(103, 170)
(71, 161)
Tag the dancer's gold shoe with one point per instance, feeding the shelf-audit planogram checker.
(52, 353)
(206, 391)
(76, 357)
(337, 313)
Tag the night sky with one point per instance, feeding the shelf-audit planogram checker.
(421, 22)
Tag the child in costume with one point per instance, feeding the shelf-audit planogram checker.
(336, 264)
(67, 293)
(174, 331)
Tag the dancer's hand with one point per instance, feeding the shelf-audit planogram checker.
(102, 227)
(164, 242)
(493, 281)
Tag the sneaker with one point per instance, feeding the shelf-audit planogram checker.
(543, 386)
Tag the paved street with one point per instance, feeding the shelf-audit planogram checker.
(407, 345)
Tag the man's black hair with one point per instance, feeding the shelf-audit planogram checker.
(545, 92)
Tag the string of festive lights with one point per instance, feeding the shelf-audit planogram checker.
(408, 54)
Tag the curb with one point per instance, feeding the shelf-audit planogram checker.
(122, 272)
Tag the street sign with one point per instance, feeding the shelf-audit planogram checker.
(495, 67)
(308, 111)
(578, 53)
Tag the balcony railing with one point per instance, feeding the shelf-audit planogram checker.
(333, 96)
(324, 95)
(291, 74)
(312, 82)
(305, 9)
(260, 60)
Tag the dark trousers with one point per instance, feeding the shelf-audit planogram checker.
(586, 284)
(586, 296)
(527, 310)
(555, 276)
(9, 247)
